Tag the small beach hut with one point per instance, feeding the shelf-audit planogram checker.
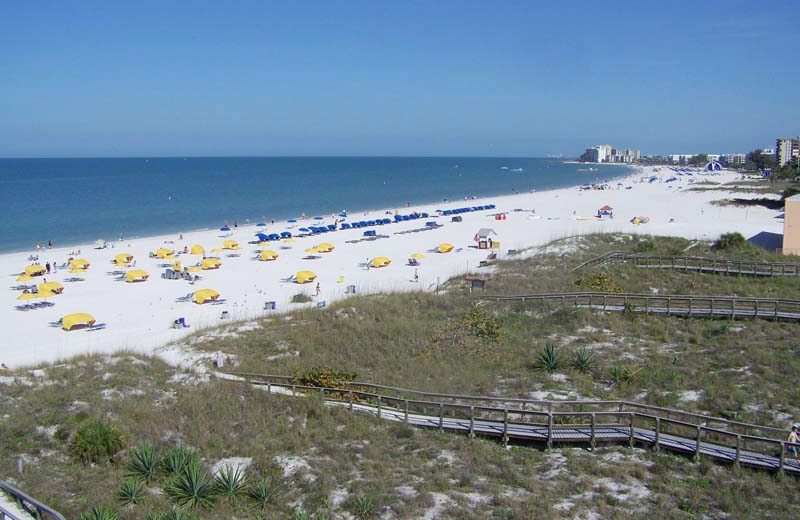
(53, 287)
(35, 270)
(483, 238)
(123, 259)
(79, 264)
(267, 255)
(210, 263)
(100, 244)
(77, 320)
(230, 244)
(137, 275)
(380, 261)
(197, 249)
(304, 277)
(205, 295)
(164, 253)
(444, 248)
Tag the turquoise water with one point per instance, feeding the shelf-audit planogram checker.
(71, 201)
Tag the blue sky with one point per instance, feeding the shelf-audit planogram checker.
(394, 78)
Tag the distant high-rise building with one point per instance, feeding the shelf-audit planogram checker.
(733, 158)
(605, 153)
(786, 149)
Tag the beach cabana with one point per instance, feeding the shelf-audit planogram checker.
(605, 211)
(177, 265)
(484, 238)
(210, 263)
(205, 295)
(137, 275)
(79, 264)
(444, 247)
(35, 270)
(53, 287)
(230, 244)
(123, 259)
(100, 244)
(164, 253)
(267, 255)
(197, 249)
(380, 261)
(77, 320)
(304, 276)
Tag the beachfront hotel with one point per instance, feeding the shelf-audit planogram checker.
(605, 153)
(786, 150)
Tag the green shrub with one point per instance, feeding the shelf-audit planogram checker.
(96, 441)
(144, 463)
(645, 246)
(623, 373)
(193, 487)
(264, 491)
(177, 459)
(598, 282)
(130, 492)
(583, 360)
(729, 241)
(301, 514)
(100, 512)
(324, 376)
(231, 483)
(301, 298)
(549, 359)
(175, 513)
(363, 506)
(482, 325)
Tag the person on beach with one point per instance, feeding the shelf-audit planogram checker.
(793, 439)
(50, 244)
(47, 267)
(317, 288)
(416, 276)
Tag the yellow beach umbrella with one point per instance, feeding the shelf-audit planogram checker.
(164, 253)
(137, 275)
(288, 240)
(79, 263)
(304, 276)
(267, 255)
(32, 296)
(194, 269)
(53, 287)
(25, 278)
(205, 295)
(230, 244)
(263, 243)
(123, 259)
(197, 249)
(210, 263)
(35, 270)
(418, 256)
(325, 247)
(444, 247)
(313, 250)
(216, 250)
(177, 265)
(70, 321)
(380, 261)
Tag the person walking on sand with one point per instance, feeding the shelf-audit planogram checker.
(416, 276)
(793, 439)
(317, 288)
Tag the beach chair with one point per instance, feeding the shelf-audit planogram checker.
(224, 315)
(413, 262)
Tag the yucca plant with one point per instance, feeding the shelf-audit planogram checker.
(178, 458)
(623, 374)
(583, 361)
(363, 506)
(144, 463)
(95, 441)
(177, 513)
(193, 487)
(230, 482)
(548, 359)
(263, 492)
(100, 512)
(301, 514)
(130, 492)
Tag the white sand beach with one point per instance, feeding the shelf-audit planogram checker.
(139, 316)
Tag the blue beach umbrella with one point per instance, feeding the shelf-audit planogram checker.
(304, 230)
(261, 224)
(319, 218)
(224, 228)
(292, 221)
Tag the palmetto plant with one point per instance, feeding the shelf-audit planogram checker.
(263, 492)
(583, 361)
(193, 487)
(548, 359)
(100, 512)
(175, 513)
(96, 440)
(177, 459)
(364, 506)
(144, 462)
(230, 482)
(130, 492)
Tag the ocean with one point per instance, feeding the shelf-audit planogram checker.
(74, 201)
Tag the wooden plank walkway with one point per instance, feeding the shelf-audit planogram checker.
(697, 264)
(678, 305)
(548, 423)
(27, 504)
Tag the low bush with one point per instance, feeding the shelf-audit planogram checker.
(100, 512)
(96, 441)
(729, 241)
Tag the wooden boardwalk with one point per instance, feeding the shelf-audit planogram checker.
(732, 307)
(586, 423)
(698, 264)
(27, 504)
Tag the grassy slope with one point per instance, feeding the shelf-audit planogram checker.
(739, 369)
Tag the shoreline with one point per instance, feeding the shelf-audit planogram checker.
(139, 316)
(282, 221)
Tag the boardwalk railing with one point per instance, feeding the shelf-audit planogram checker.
(681, 305)
(28, 504)
(549, 422)
(698, 264)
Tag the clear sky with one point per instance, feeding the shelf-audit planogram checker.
(493, 77)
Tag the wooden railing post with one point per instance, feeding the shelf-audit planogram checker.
(379, 406)
(471, 422)
(294, 391)
(549, 430)
(350, 392)
(405, 414)
(783, 455)
(505, 427)
(738, 450)
(630, 440)
(697, 443)
(656, 447)
(269, 388)
(593, 439)
(441, 417)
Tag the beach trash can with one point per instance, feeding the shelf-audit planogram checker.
(269, 306)
(351, 289)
